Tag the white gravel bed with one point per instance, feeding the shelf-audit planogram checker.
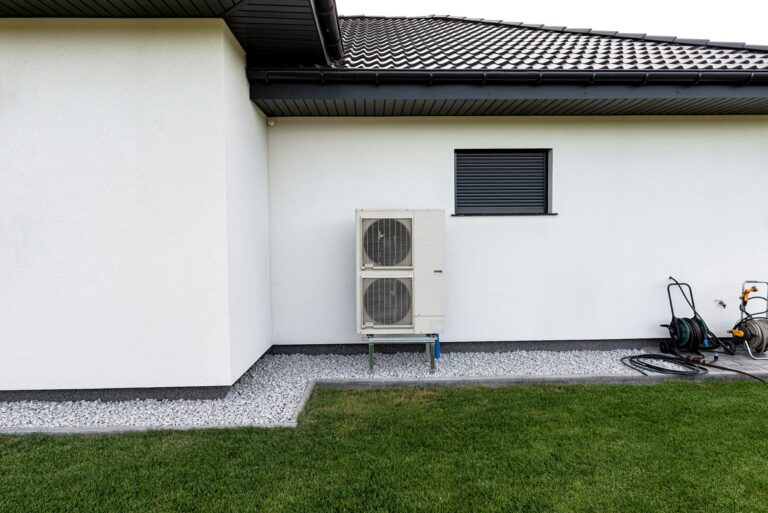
(272, 389)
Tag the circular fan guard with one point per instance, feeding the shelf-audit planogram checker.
(387, 301)
(387, 242)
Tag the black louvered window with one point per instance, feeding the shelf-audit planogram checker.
(502, 182)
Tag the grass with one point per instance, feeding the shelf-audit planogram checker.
(670, 447)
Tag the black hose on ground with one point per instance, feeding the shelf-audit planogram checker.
(686, 365)
(642, 364)
(735, 370)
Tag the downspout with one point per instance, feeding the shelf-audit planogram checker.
(328, 22)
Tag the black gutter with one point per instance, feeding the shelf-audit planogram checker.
(282, 91)
(472, 77)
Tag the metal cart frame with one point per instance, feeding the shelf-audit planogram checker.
(744, 314)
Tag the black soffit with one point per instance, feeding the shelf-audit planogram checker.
(272, 32)
(400, 107)
(513, 94)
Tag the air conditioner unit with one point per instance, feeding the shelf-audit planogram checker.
(400, 271)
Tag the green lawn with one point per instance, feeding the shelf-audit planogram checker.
(672, 447)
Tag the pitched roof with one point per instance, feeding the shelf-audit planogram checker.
(445, 66)
(451, 43)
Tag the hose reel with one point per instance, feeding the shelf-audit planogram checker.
(752, 328)
(690, 334)
(753, 332)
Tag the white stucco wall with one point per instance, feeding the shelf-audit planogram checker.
(119, 257)
(638, 199)
(140, 191)
(248, 217)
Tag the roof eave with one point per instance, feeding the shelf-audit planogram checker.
(525, 77)
(418, 93)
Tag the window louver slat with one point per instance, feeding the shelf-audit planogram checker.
(502, 182)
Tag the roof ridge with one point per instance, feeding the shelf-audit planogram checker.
(604, 33)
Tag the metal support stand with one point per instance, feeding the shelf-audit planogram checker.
(749, 350)
(427, 340)
(745, 314)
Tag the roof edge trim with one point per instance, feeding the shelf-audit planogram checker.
(480, 78)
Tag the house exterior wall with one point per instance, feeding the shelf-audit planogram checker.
(638, 199)
(247, 164)
(119, 256)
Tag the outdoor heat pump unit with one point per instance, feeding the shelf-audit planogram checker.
(400, 271)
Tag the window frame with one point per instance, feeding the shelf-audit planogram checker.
(495, 211)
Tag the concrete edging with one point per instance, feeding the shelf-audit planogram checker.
(569, 379)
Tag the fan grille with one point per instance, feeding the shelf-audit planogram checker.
(387, 301)
(387, 242)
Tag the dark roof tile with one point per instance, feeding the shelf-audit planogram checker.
(453, 43)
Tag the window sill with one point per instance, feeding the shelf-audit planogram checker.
(503, 215)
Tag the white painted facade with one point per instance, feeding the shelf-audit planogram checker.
(134, 241)
(155, 232)
(637, 198)
(247, 203)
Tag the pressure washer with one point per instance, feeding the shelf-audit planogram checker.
(752, 328)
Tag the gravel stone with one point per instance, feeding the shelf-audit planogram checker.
(271, 391)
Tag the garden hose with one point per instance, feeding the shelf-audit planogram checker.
(753, 331)
(729, 369)
(690, 334)
(688, 365)
(642, 364)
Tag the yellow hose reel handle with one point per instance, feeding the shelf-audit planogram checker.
(737, 333)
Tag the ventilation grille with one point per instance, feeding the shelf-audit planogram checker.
(387, 302)
(501, 181)
(386, 242)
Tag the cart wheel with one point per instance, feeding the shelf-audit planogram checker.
(729, 346)
(674, 332)
(664, 346)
